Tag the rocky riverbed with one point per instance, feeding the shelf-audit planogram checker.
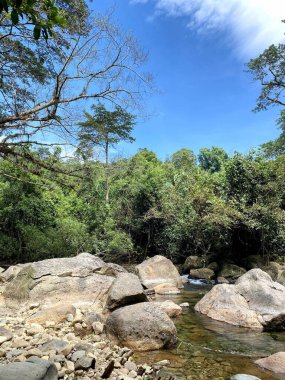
(81, 318)
(76, 348)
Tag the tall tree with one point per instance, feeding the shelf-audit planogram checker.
(269, 69)
(105, 129)
(43, 82)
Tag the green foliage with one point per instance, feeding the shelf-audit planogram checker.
(174, 208)
(44, 14)
(212, 159)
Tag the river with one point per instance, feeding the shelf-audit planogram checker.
(211, 350)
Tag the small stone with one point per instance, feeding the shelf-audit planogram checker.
(100, 345)
(77, 355)
(67, 349)
(185, 305)
(58, 366)
(163, 363)
(69, 318)
(131, 366)
(20, 343)
(34, 305)
(132, 374)
(124, 371)
(84, 363)
(35, 329)
(33, 352)
(50, 324)
(70, 337)
(98, 327)
(69, 366)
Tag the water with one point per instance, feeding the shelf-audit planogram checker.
(211, 350)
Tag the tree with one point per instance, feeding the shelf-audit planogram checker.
(44, 15)
(183, 159)
(212, 159)
(105, 129)
(269, 69)
(43, 83)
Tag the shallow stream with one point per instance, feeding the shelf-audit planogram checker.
(211, 350)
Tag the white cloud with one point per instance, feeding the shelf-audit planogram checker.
(252, 24)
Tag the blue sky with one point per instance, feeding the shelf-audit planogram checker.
(197, 54)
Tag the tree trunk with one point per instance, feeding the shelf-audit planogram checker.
(107, 171)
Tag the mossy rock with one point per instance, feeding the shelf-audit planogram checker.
(231, 272)
(19, 288)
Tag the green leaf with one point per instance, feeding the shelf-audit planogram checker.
(37, 32)
(14, 17)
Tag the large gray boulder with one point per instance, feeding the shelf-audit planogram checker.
(32, 369)
(143, 326)
(125, 290)
(158, 270)
(82, 264)
(254, 301)
(69, 280)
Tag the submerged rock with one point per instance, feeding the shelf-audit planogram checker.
(158, 270)
(242, 376)
(144, 326)
(274, 363)
(255, 301)
(166, 289)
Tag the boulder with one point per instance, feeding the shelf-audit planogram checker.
(225, 304)
(166, 289)
(170, 308)
(194, 262)
(276, 271)
(31, 369)
(67, 280)
(80, 265)
(125, 290)
(254, 301)
(231, 272)
(158, 270)
(274, 363)
(143, 326)
(202, 273)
